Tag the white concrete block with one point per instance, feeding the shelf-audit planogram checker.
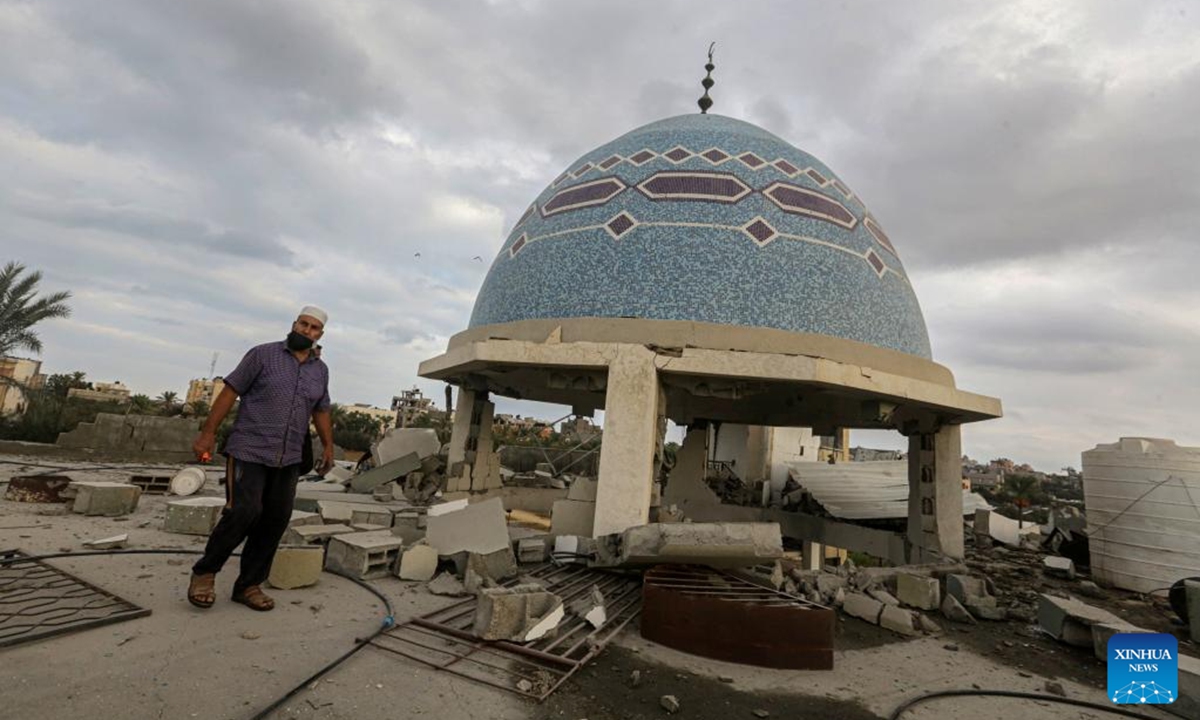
(481, 528)
(193, 516)
(572, 517)
(296, 566)
(419, 562)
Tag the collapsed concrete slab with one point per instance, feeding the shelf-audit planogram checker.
(714, 544)
(194, 516)
(494, 566)
(573, 517)
(399, 442)
(1071, 620)
(583, 490)
(522, 613)
(314, 534)
(447, 585)
(367, 481)
(863, 607)
(363, 555)
(371, 516)
(336, 512)
(104, 498)
(480, 528)
(296, 566)
(1059, 567)
(299, 517)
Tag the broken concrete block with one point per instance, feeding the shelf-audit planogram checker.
(480, 528)
(714, 544)
(193, 516)
(299, 517)
(296, 566)
(965, 588)
(400, 442)
(953, 610)
(583, 490)
(918, 591)
(828, 583)
(448, 507)
(883, 596)
(863, 607)
(574, 549)
(522, 613)
(338, 474)
(927, 625)
(897, 619)
(365, 482)
(1059, 567)
(108, 543)
(314, 534)
(497, 565)
(572, 517)
(368, 527)
(105, 498)
(333, 512)
(591, 607)
(533, 550)
(372, 516)
(363, 555)
(406, 524)
(419, 562)
(447, 585)
(670, 703)
(1071, 620)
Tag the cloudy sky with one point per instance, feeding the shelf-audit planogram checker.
(193, 172)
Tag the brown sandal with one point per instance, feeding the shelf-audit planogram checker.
(201, 591)
(254, 598)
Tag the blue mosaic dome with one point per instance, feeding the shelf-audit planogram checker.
(707, 219)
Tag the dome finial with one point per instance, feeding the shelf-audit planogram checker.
(706, 102)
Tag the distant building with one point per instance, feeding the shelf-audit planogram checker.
(862, 454)
(387, 418)
(204, 390)
(410, 405)
(102, 392)
(19, 370)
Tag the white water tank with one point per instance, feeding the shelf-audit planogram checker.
(1142, 497)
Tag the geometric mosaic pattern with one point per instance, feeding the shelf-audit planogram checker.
(709, 219)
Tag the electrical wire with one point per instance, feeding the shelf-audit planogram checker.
(1116, 710)
(388, 621)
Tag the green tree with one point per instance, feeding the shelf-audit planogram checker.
(199, 408)
(1024, 491)
(140, 404)
(167, 402)
(354, 430)
(21, 309)
(60, 384)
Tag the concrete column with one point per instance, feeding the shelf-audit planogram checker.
(685, 484)
(935, 509)
(633, 402)
(812, 555)
(460, 434)
(481, 430)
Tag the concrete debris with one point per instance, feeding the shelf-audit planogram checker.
(524, 686)
(953, 610)
(447, 585)
(419, 563)
(713, 544)
(591, 607)
(314, 534)
(762, 714)
(363, 555)
(828, 583)
(365, 482)
(883, 596)
(194, 516)
(400, 442)
(863, 607)
(299, 517)
(973, 594)
(296, 566)
(367, 527)
(583, 490)
(495, 566)
(670, 703)
(533, 550)
(370, 516)
(522, 613)
(899, 620)
(1055, 688)
(105, 498)
(1071, 620)
(918, 591)
(108, 543)
(574, 549)
(448, 507)
(333, 511)
(338, 474)
(928, 626)
(572, 517)
(480, 528)
(421, 486)
(1059, 567)
(38, 488)
(635, 678)
(1087, 588)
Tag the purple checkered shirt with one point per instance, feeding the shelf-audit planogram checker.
(279, 394)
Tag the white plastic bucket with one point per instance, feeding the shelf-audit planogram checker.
(188, 481)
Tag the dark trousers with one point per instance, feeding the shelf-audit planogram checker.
(258, 507)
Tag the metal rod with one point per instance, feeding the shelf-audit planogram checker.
(547, 657)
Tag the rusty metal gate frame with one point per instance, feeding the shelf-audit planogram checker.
(544, 664)
(39, 601)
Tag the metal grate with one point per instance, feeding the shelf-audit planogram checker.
(38, 601)
(443, 639)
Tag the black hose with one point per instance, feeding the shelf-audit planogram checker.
(388, 621)
(118, 466)
(908, 705)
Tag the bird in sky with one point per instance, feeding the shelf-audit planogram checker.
(477, 258)
(416, 254)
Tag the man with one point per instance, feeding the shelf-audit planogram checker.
(281, 385)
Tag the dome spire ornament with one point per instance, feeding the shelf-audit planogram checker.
(705, 102)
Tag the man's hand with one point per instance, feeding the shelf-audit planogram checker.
(206, 443)
(326, 461)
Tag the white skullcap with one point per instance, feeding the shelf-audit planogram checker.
(315, 312)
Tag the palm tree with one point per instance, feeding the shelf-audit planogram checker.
(1023, 490)
(20, 309)
(140, 404)
(167, 400)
